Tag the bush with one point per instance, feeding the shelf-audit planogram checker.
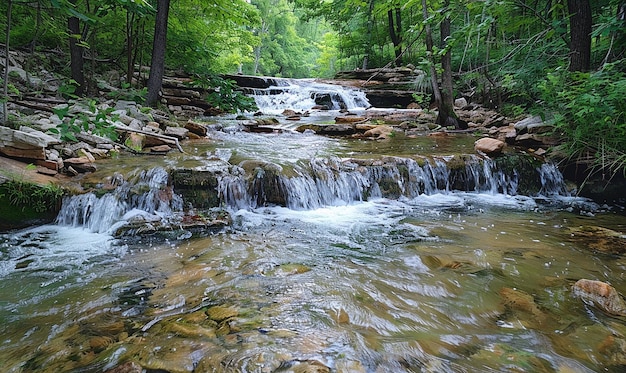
(589, 113)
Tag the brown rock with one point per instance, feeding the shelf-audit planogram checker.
(100, 343)
(379, 132)
(160, 149)
(50, 165)
(349, 119)
(178, 132)
(46, 170)
(80, 164)
(600, 295)
(196, 128)
(38, 153)
(135, 141)
(520, 301)
(413, 106)
(489, 146)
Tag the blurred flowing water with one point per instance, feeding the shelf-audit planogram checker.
(435, 279)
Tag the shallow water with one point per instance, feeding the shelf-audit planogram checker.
(412, 285)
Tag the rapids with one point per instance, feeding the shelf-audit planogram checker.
(448, 271)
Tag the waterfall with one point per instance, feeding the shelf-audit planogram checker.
(552, 183)
(146, 197)
(333, 181)
(149, 199)
(305, 94)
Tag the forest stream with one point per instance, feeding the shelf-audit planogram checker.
(375, 257)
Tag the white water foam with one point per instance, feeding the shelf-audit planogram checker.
(304, 94)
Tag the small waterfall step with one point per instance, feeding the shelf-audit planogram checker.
(165, 200)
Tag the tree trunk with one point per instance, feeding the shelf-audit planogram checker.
(620, 34)
(580, 30)
(395, 32)
(370, 28)
(429, 48)
(76, 54)
(447, 117)
(5, 78)
(157, 65)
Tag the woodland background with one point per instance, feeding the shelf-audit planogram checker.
(562, 59)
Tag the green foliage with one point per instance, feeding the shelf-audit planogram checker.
(129, 93)
(91, 120)
(589, 113)
(224, 94)
(67, 90)
(27, 195)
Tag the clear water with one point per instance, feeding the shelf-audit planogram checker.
(420, 284)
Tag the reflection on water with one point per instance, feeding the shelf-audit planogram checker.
(448, 282)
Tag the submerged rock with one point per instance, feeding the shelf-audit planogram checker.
(600, 295)
(599, 239)
(523, 304)
(129, 367)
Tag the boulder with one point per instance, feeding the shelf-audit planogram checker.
(337, 129)
(196, 128)
(489, 146)
(600, 295)
(522, 125)
(460, 103)
(379, 132)
(80, 164)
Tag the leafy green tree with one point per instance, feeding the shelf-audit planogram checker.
(281, 51)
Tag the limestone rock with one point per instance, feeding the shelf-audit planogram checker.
(460, 103)
(178, 132)
(489, 146)
(522, 126)
(601, 295)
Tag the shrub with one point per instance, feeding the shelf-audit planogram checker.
(589, 113)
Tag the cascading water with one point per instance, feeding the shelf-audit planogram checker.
(147, 197)
(340, 257)
(321, 182)
(303, 95)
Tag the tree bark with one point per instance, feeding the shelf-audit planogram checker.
(5, 77)
(446, 116)
(76, 54)
(370, 28)
(395, 32)
(434, 81)
(580, 31)
(157, 64)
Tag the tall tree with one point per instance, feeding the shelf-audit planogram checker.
(444, 97)
(5, 77)
(580, 30)
(157, 64)
(77, 61)
(394, 17)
